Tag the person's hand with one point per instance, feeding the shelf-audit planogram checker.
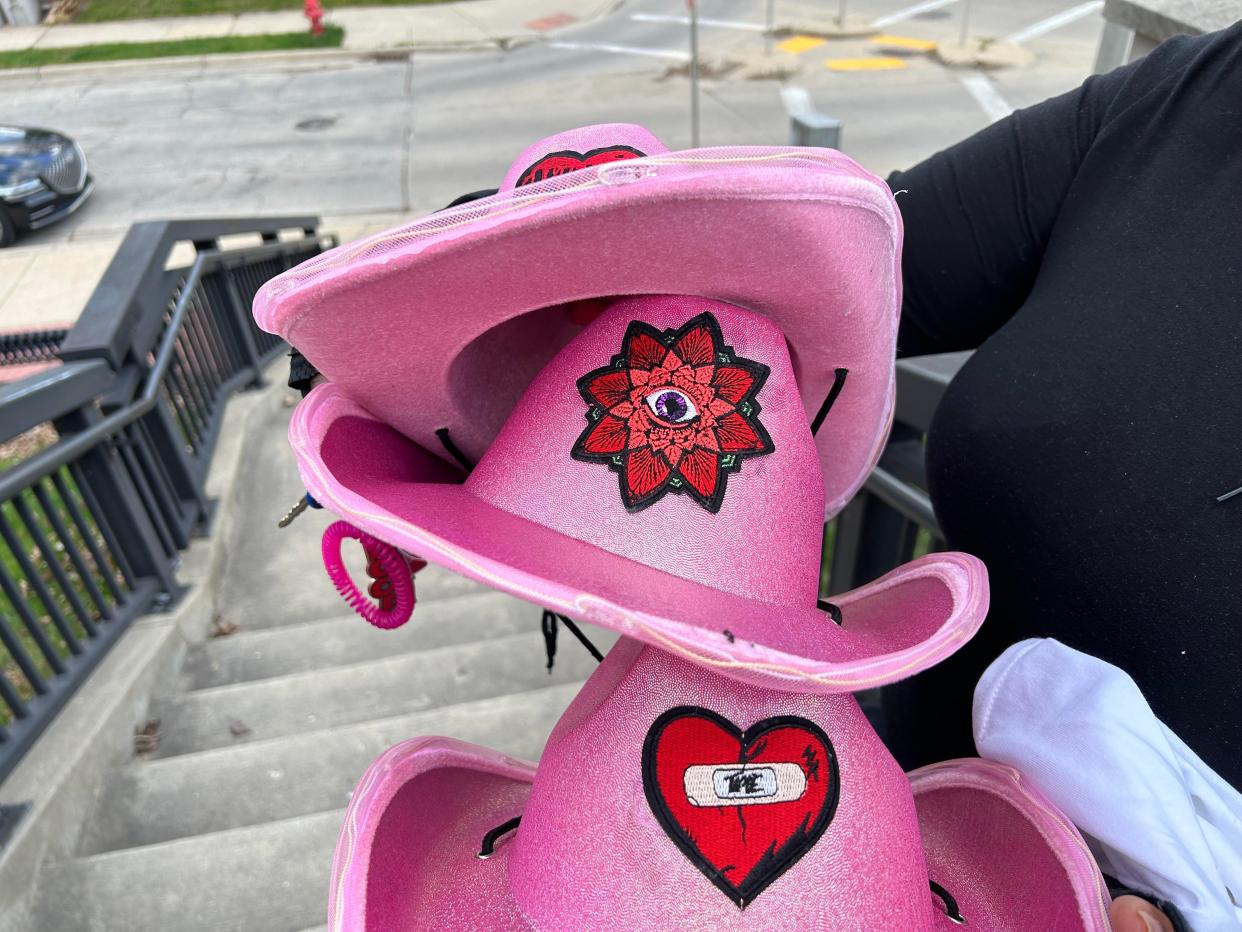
(1135, 914)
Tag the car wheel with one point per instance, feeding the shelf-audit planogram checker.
(8, 230)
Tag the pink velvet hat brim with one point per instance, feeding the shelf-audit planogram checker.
(1005, 853)
(366, 472)
(445, 321)
(406, 859)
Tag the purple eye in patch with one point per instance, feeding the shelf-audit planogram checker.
(671, 405)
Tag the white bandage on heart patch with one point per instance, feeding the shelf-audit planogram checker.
(743, 784)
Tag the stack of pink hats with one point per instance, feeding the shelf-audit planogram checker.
(633, 346)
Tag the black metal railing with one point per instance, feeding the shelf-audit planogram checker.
(92, 522)
(891, 521)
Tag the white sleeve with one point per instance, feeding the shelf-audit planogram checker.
(1156, 817)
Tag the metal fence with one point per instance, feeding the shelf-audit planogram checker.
(32, 346)
(92, 522)
(891, 521)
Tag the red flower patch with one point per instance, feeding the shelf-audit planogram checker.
(674, 412)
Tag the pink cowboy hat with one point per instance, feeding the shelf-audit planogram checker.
(440, 325)
(670, 797)
(659, 478)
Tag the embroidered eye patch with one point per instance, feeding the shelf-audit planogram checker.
(674, 411)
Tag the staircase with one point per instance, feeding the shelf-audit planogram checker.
(230, 821)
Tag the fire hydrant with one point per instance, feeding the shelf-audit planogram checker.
(314, 12)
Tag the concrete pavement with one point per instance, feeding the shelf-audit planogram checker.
(368, 143)
(46, 284)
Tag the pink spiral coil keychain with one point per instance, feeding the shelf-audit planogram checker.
(391, 592)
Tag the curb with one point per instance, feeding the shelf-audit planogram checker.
(313, 56)
(180, 62)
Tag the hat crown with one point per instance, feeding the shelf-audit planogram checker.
(670, 431)
(593, 852)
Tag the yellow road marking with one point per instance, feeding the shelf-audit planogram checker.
(864, 64)
(904, 42)
(796, 45)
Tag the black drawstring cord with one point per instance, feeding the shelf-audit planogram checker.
(443, 436)
(950, 904)
(837, 385)
(489, 840)
(825, 606)
(548, 624)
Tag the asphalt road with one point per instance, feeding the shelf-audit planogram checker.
(365, 138)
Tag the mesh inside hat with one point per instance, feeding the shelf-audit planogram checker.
(729, 162)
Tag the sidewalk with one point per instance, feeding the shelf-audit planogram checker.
(46, 285)
(461, 25)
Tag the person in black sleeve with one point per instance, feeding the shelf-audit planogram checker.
(1090, 452)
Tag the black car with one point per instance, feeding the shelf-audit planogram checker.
(43, 178)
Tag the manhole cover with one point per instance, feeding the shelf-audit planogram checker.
(315, 124)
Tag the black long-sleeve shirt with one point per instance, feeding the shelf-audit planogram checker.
(1091, 248)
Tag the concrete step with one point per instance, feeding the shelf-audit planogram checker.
(319, 699)
(254, 655)
(310, 595)
(275, 576)
(262, 878)
(153, 801)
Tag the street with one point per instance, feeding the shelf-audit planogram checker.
(368, 141)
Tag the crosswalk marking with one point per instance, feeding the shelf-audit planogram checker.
(986, 95)
(620, 50)
(885, 21)
(703, 21)
(1064, 18)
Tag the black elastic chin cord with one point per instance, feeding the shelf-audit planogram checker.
(837, 385)
(548, 623)
(447, 442)
(489, 840)
(950, 904)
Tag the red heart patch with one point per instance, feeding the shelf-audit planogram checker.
(560, 163)
(742, 806)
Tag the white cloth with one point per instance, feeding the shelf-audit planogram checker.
(1156, 817)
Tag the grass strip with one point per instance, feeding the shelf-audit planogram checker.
(100, 11)
(332, 37)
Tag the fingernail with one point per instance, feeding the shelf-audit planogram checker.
(1150, 922)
